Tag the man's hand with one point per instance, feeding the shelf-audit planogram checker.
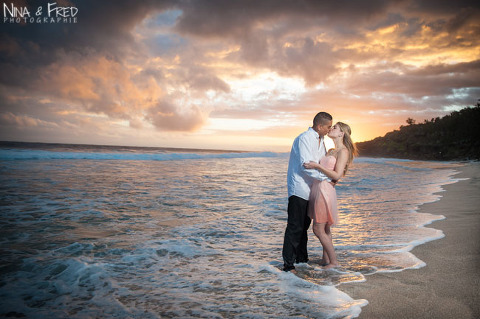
(311, 165)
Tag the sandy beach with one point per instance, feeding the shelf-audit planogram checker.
(448, 286)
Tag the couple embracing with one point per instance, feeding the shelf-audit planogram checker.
(312, 174)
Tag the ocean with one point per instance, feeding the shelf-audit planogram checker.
(128, 232)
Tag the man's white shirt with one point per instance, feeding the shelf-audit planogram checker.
(306, 147)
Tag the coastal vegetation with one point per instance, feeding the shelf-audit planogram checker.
(453, 137)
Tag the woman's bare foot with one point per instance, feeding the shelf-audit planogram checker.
(329, 266)
(324, 262)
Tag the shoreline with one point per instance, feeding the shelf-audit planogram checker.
(447, 287)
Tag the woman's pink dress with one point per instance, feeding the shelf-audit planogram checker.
(322, 204)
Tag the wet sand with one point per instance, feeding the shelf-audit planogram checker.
(449, 285)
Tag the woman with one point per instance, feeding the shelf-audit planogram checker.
(323, 197)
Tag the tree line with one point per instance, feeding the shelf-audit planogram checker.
(453, 137)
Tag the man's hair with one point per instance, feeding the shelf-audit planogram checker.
(322, 118)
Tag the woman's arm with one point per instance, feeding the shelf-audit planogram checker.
(337, 172)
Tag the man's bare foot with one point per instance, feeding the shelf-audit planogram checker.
(330, 266)
(324, 262)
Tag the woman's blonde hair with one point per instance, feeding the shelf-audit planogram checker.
(347, 141)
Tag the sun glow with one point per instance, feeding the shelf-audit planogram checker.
(237, 125)
(257, 87)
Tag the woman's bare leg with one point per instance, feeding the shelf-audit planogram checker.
(325, 260)
(323, 233)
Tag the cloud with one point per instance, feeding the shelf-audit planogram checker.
(167, 117)
(432, 80)
(98, 66)
(103, 26)
(271, 36)
(217, 18)
(313, 60)
(10, 119)
(202, 79)
(172, 65)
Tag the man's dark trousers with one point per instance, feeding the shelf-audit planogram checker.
(296, 237)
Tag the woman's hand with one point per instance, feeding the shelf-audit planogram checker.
(311, 165)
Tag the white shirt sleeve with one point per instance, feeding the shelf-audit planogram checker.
(306, 156)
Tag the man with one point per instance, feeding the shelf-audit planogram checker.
(308, 146)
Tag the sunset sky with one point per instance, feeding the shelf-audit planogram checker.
(233, 74)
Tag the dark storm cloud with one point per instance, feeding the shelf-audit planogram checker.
(434, 80)
(451, 69)
(262, 28)
(242, 18)
(440, 7)
(218, 18)
(145, 60)
(84, 62)
(103, 28)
